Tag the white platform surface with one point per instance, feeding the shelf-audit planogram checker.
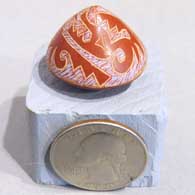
(47, 94)
(54, 105)
(25, 25)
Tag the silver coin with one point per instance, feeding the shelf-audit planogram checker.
(98, 155)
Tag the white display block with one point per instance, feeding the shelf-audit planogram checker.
(53, 105)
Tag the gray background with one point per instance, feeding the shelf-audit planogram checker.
(26, 25)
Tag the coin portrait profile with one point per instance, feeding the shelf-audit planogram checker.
(101, 149)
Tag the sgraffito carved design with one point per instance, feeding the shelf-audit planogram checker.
(95, 49)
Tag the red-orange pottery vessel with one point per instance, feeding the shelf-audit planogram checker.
(95, 50)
